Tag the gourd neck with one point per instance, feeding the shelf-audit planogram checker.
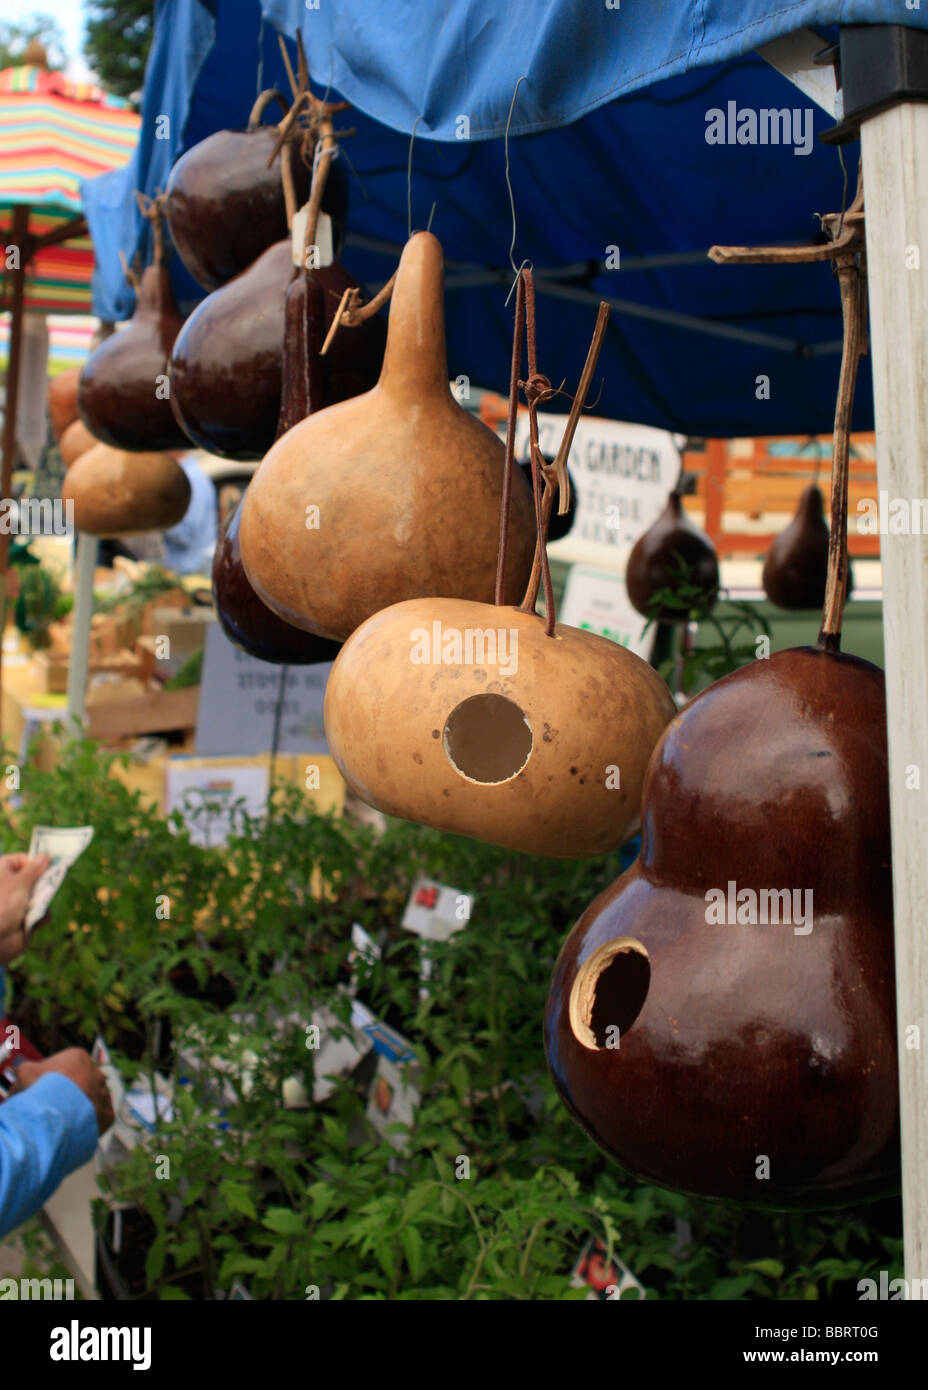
(416, 360)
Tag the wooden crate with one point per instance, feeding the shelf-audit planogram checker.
(51, 668)
(154, 712)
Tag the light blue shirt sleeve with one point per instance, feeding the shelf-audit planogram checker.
(46, 1132)
(190, 544)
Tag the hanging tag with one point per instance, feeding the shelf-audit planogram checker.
(319, 253)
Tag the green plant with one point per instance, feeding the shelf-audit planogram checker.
(232, 1186)
(36, 605)
(737, 628)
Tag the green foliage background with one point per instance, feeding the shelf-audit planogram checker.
(291, 1200)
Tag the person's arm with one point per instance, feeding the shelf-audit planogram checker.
(45, 1133)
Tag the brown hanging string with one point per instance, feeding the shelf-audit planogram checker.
(852, 309)
(537, 389)
(505, 504)
(846, 248)
(152, 209)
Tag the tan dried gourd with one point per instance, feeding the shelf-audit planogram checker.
(488, 720)
(74, 441)
(407, 485)
(116, 492)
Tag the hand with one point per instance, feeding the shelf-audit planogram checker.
(78, 1066)
(18, 877)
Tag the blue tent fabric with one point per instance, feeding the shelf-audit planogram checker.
(688, 341)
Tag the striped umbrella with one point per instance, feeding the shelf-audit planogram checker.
(53, 133)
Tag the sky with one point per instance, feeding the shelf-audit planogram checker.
(69, 15)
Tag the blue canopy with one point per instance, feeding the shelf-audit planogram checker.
(625, 167)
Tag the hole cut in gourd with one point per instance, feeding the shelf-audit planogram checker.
(487, 738)
(609, 993)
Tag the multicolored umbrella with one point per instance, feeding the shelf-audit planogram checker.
(54, 133)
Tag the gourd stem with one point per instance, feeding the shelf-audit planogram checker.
(559, 469)
(320, 176)
(257, 111)
(849, 276)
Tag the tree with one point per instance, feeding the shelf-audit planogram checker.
(15, 38)
(118, 37)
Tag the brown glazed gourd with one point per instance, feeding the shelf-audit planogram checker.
(244, 618)
(796, 566)
(248, 622)
(225, 207)
(655, 561)
(468, 717)
(407, 485)
(75, 441)
(746, 1061)
(115, 492)
(123, 391)
(226, 368)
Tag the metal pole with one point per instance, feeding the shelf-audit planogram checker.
(19, 235)
(80, 634)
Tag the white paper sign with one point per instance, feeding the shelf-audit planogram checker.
(238, 701)
(622, 474)
(597, 601)
(206, 796)
(435, 911)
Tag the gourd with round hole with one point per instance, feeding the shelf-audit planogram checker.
(227, 365)
(797, 562)
(122, 395)
(749, 1060)
(722, 1018)
(244, 618)
(115, 492)
(407, 485)
(225, 207)
(470, 718)
(671, 548)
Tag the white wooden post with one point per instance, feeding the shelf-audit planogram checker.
(80, 631)
(895, 155)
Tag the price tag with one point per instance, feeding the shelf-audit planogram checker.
(435, 911)
(320, 252)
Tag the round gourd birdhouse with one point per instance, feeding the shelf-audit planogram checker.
(470, 718)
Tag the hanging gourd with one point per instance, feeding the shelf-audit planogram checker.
(488, 720)
(224, 205)
(244, 618)
(672, 554)
(115, 492)
(75, 440)
(722, 1019)
(122, 395)
(226, 368)
(796, 566)
(61, 395)
(392, 495)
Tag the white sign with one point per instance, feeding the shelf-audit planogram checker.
(206, 796)
(622, 474)
(238, 701)
(597, 601)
